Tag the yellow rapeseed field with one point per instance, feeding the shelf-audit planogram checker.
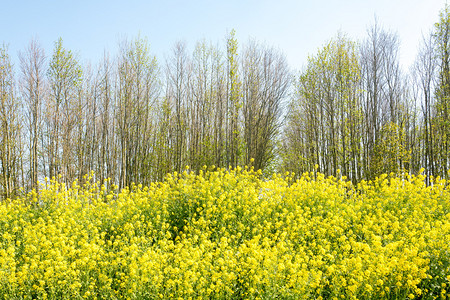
(229, 235)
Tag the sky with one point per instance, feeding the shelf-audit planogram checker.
(297, 28)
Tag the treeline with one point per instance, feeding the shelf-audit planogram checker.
(351, 111)
(134, 119)
(356, 113)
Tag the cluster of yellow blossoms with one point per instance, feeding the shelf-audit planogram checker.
(229, 235)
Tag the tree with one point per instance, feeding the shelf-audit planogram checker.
(107, 155)
(234, 103)
(324, 120)
(424, 73)
(177, 95)
(33, 91)
(381, 86)
(390, 153)
(137, 95)
(265, 81)
(442, 104)
(64, 77)
(10, 132)
(200, 107)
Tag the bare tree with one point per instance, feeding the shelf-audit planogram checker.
(138, 91)
(33, 89)
(425, 72)
(106, 160)
(177, 94)
(381, 86)
(266, 79)
(10, 132)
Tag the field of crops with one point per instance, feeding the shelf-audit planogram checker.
(229, 235)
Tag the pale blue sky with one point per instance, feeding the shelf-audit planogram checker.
(297, 28)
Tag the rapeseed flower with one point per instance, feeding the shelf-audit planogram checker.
(228, 234)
